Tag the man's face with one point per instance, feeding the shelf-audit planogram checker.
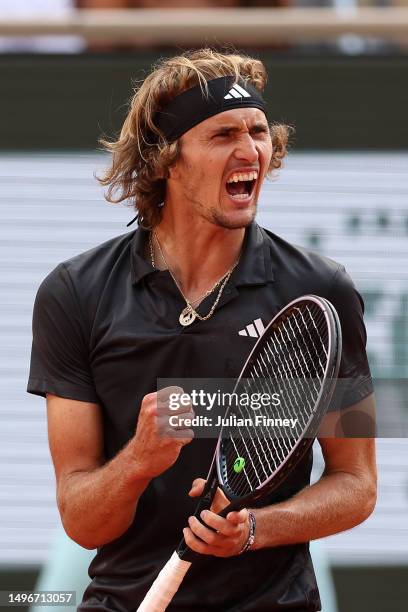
(222, 166)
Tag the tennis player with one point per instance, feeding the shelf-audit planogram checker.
(186, 295)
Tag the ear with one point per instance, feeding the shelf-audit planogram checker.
(163, 176)
(174, 171)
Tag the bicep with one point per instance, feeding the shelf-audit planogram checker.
(75, 434)
(347, 440)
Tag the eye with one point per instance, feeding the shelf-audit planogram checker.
(259, 129)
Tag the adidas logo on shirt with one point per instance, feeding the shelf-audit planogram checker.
(237, 92)
(255, 329)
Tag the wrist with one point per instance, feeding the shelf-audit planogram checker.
(273, 523)
(136, 472)
(250, 541)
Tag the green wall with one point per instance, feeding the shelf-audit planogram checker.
(68, 102)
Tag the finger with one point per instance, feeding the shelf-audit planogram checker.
(179, 421)
(197, 487)
(173, 399)
(175, 404)
(196, 544)
(220, 501)
(209, 536)
(182, 436)
(237, 518)
(168, 428)
(218, 523)
(163, 395)
(164, 409)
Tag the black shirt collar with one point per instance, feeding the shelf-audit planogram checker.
(139, 265)
(254, 267)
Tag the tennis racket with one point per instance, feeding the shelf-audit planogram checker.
(298, 357)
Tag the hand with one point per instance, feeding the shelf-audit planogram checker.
(157, 445)
(227, 536)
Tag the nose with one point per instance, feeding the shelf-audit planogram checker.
(246, 149)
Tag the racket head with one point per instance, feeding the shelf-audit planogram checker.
(248, 471)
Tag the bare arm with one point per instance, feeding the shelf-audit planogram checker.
(344, 496)
(97, 500)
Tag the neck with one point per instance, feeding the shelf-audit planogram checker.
(197, 252)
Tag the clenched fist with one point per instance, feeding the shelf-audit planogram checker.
(156, 444)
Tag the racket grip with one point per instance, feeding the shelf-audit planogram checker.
(165, 586)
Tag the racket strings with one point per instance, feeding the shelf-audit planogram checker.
(313, 322)
(264, 381)
(293, 363)
(266, 437)
(240, 445)
(283, 443)
(303, 366)
(307, 358)
(267, 387)
(266, 441)
(281, 374)
(290, 373)
(271, 449)
(314, 337)
(237, 454)
(291, 376)
(315, 334)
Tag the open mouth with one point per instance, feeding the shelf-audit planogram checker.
(241, 185)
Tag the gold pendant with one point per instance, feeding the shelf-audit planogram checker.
(187, 316)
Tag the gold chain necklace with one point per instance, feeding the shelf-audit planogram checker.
(206, 294)
(188, 315)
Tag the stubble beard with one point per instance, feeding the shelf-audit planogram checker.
(220, 219)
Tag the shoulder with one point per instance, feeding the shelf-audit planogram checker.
(94, 264)
(302, 268)
(82, 278)
(299, 271)
(97, 263)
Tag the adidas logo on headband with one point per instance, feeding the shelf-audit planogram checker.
(237, 92)
(193, 106)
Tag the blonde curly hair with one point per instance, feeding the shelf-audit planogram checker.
(141, 156)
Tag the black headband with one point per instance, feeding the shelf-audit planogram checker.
(192, 106)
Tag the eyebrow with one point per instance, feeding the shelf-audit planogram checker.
(235, 128)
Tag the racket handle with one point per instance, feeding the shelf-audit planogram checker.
(165, 586)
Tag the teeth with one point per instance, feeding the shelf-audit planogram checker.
(248, 176)
(239, 196)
